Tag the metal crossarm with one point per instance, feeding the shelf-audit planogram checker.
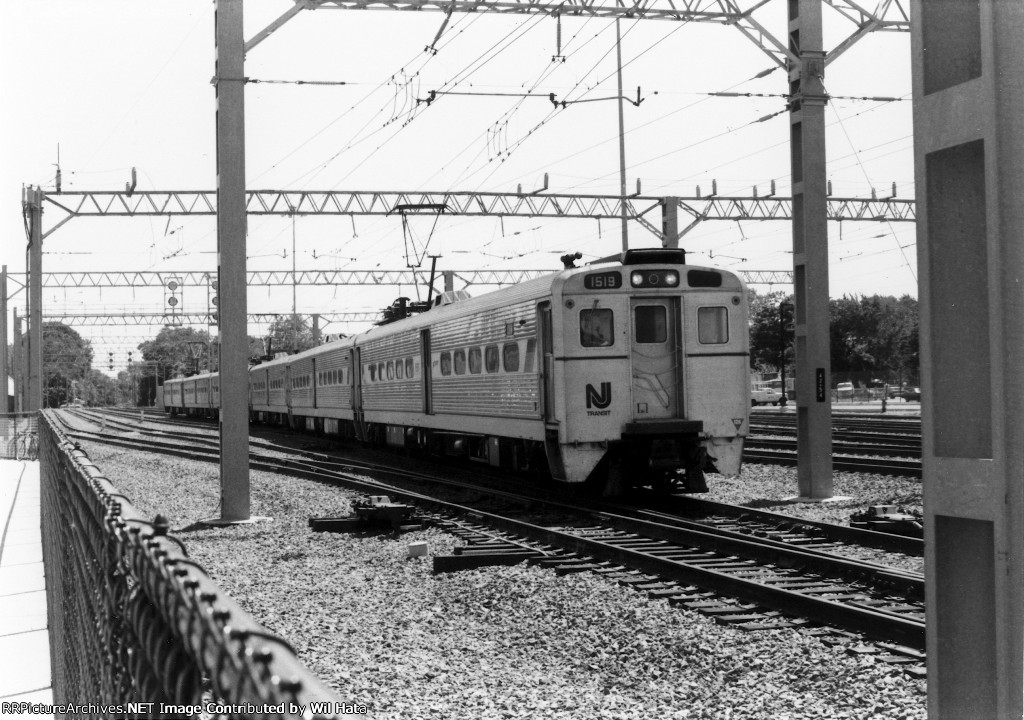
(345, 202)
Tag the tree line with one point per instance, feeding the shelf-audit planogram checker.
(870, 337)
(69, 375)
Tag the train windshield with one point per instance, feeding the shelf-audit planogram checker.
(713, 325)
(596, 327)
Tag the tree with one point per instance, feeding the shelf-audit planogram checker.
(765, 342)
(289, 333)
(98, 390)
(869, 337)
(67, 360)
(174, 352)
(875, 335)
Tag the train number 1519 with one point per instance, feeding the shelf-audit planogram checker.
(603, 281)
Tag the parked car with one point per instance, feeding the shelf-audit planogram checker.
(907, 393)
(764, 396)
(844, 390)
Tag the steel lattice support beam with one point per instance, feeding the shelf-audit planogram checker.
(273, 278)
(887, 15)
(648, 211)
(190, 318)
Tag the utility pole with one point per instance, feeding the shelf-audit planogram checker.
(3, 332)
(622, 141)
(32, 204)
(19, 366)
(810, 251)
(231, 283)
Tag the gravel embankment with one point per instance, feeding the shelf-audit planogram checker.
(516, 642)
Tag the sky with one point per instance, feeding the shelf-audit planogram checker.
(122, 84)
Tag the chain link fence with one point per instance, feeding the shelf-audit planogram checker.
(139, 629)
(19, 436)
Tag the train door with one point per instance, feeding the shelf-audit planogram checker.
(427, 371)
(357, 393)
(654, 350)
(314, 380)
(552, 448)
(547, 361)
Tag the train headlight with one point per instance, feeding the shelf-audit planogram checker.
(654, 278)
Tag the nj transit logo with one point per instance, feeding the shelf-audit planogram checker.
(599, 400)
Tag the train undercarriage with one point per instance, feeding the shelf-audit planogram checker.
(666, 462)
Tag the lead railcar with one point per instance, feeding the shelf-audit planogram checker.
(620, 373)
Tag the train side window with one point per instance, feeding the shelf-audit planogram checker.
(491, 358)
(460, 362)
(713, 325)
(399, 370)
(531, 355)
(597, 327)
(391, 370)
(475, 361)
(510, 357)
(651, 324)
(380, 371)
(373, 373)
(408, 367)
(446, 363)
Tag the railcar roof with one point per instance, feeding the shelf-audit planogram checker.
(498, 298)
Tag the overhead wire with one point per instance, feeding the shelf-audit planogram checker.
(842, 126)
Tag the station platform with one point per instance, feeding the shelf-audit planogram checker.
(24, 639)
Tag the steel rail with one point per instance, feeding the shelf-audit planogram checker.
(871, 622)
(858, 536)
(907, 468)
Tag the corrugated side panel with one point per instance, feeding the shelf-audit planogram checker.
(336, 395)
(489, 326)
(258, 387)
(302, 370)
(203, 392)
(276, 394)
(404, 394)
(501, 394)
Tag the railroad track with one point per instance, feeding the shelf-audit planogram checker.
(881, 466)
(884, 446)
(750, 581)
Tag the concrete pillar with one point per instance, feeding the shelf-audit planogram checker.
(231, 227)
(33, 202)
(18, 371)
(4, 370)
(968, 85)
(810, 252)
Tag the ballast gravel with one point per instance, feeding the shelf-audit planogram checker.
(502, 642)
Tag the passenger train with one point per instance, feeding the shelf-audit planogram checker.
(620, 373)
